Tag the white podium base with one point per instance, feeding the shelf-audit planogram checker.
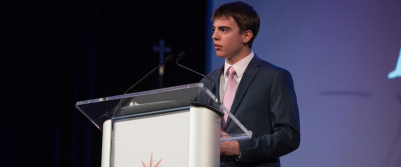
(181, 138)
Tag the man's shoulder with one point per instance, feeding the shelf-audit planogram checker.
(267, 66)
(272, 71)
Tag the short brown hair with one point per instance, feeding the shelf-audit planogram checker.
(244, 14)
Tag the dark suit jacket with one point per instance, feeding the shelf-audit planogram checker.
(266, 104)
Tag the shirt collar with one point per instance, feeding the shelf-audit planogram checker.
(240, 66)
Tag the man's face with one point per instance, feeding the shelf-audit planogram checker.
(228, 42)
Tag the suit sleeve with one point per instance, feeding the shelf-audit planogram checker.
(284, 118)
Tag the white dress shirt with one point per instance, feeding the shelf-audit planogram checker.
(239, 68)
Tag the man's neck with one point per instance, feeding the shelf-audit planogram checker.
(242, 54)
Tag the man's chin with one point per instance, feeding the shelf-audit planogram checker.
(220, 55)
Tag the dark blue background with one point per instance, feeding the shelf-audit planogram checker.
(56, 53)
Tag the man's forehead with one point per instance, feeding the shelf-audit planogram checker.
(224, 21)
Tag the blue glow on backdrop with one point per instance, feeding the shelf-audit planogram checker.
(397, 71)
(339, 53)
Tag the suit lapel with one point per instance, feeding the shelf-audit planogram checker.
(216, 79)
(247, 78)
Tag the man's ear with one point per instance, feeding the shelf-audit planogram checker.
(248, 34)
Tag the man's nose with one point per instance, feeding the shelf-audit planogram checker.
(215, 36)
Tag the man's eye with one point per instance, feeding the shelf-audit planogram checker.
(224, 30)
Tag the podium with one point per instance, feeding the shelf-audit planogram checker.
(176, 126)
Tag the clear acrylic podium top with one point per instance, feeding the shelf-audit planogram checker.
(159, 100)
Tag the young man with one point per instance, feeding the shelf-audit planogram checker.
(258, 93)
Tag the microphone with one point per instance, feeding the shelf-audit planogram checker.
(109, 115)
(182, 55)
(168, 58)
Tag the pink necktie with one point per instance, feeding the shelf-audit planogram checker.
(229, 93)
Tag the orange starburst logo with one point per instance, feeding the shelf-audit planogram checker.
(151, 160)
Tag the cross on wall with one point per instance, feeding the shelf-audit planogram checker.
(161, 49)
